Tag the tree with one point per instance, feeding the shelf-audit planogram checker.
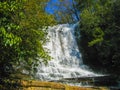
(22, 35)
(99, 34)
(65, 11)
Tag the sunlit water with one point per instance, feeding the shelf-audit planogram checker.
(67, 60)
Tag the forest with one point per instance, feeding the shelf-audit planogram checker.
(23, 33)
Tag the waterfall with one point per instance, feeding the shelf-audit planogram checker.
(67, 61)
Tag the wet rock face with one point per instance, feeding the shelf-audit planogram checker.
(106, 80)
(40, 85)
(37, 85)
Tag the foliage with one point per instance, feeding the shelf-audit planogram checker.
(65, 11)
(100, 34)
(22, 35)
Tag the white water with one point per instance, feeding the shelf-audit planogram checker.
(67, 61)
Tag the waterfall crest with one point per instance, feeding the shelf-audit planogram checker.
(67, 61)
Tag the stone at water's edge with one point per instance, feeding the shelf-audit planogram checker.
(106, 80)
(40, 85)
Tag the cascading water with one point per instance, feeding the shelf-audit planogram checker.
(67, 61)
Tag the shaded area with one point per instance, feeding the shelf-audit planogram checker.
(93, 81)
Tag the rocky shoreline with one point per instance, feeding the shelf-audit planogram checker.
(41, 85)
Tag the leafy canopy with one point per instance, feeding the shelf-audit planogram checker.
(22, 35)
(100, 34)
